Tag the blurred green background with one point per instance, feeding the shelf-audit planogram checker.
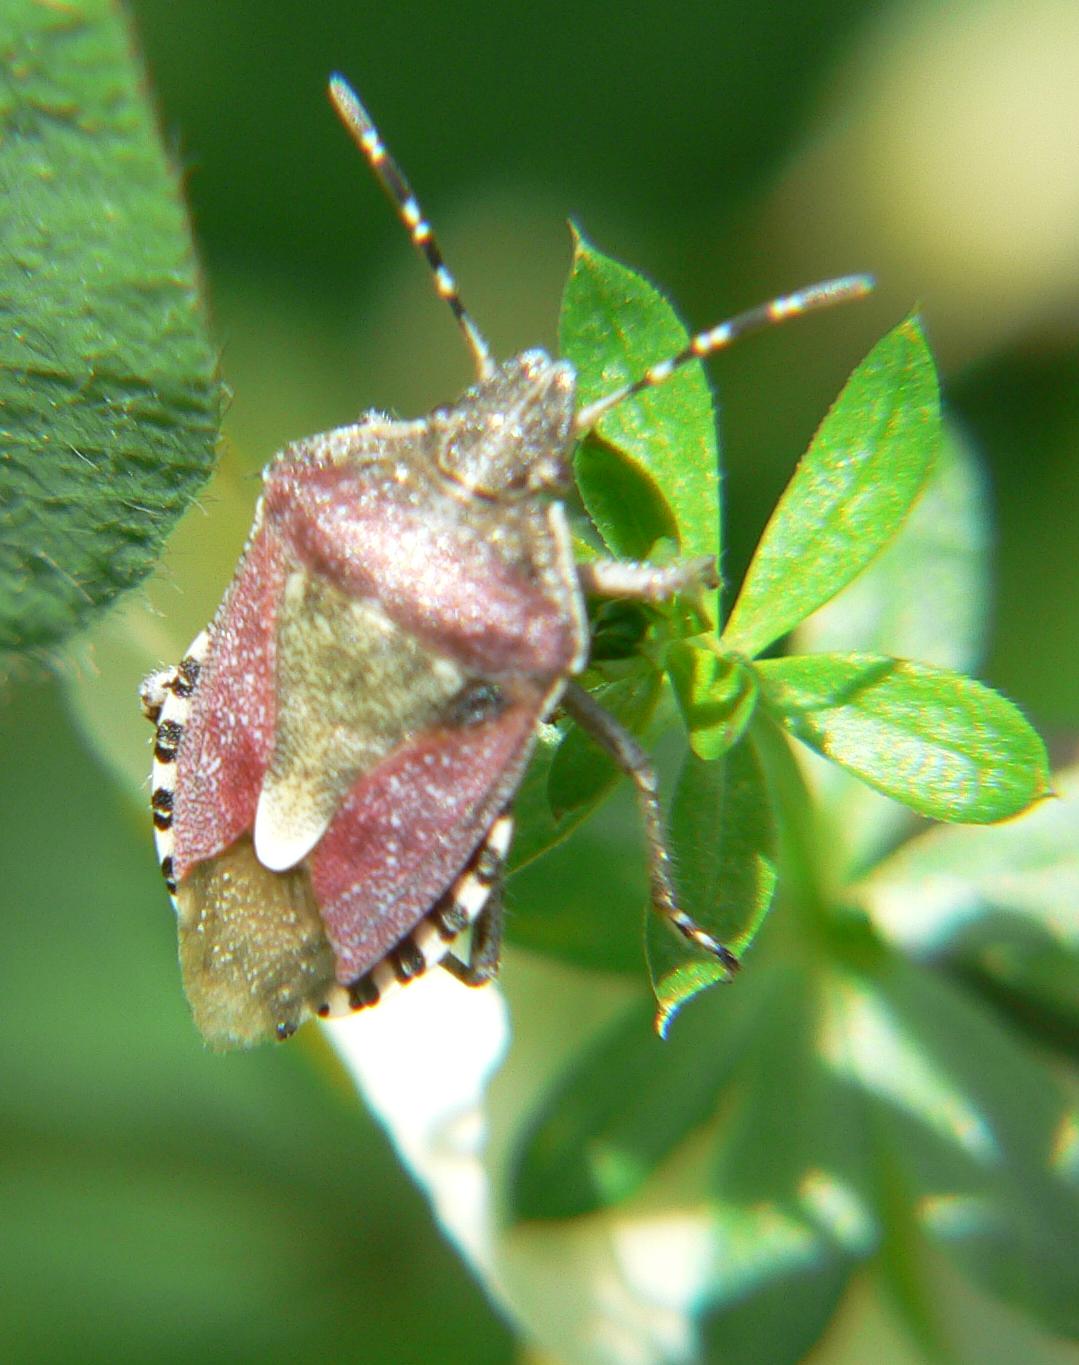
(162, 1203)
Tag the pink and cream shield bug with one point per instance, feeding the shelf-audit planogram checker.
(336, 756)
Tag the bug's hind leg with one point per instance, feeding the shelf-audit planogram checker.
(602, 727)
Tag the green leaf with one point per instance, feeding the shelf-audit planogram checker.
(716, 696)
(629, 1099)
(723, 842)
(999, 904)
(108, 384)
(946, 746)
(581, 772)
(926, 595)
(855, 485)
(613, 325)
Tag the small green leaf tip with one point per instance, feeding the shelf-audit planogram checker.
(613, 326)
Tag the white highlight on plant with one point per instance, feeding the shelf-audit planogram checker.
(620, 1287)
(862, 1039)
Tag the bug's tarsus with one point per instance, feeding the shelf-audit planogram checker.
(358, 122)
(723, 334)
(635, 763)
(646, 582)
(485, 949)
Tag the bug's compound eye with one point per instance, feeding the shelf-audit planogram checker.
(284, 1030)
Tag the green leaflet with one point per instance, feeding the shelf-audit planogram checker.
(926, 597)
(716, 696)
(857, 482)
(945, 745)
(614, 324)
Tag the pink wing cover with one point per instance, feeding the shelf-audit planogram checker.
(229, 734)
(405, 830)
(444, 583)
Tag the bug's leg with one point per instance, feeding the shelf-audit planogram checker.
(646, 582)
(485, 950)
(602, 727)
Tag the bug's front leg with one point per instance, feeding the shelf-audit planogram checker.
(601, 726)
(646, 582)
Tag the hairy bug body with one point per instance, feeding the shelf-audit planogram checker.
(336, 756)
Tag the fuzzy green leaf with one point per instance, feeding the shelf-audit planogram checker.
(723, 842)
(946, 746)
(613, 325)
(855, 485)
(926, 595)
(108, 389)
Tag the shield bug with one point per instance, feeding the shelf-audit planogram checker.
(337, 755)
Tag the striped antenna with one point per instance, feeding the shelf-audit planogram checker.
(358, 122)
(717, 338)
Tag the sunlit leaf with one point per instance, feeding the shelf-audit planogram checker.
(614, 324)
(851, 492)
(947, 746)
(927, 597)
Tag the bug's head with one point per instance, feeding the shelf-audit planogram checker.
(510, 436)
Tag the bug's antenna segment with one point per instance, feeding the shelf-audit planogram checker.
(721, 336)
(358, 122)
